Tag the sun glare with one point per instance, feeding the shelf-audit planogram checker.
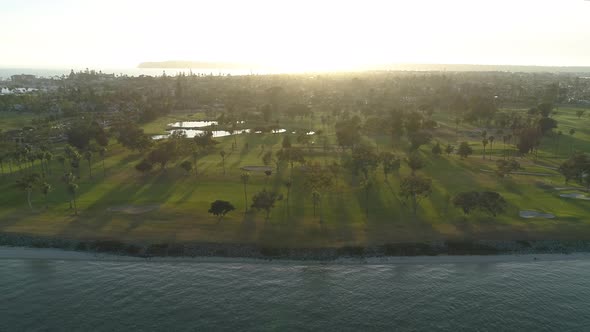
(296, 36)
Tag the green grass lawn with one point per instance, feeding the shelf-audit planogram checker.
(183, 200)
(14, 120)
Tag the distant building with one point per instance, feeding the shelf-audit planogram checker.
(23, 79)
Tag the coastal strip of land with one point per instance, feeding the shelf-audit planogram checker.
(35, 247)
(26, 253)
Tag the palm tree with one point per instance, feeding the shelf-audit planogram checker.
(68, 178)
(222, 154)
(316, 198)
(367, 184)
(484, 142)
(572, 132)
(102, 152)
(233, 132)
(288, 184)
(88, 157)
(72, 188)
(48, 156)
(245, 177)
(2, 157)
(27, 184)
(491, 138)
(46, 189)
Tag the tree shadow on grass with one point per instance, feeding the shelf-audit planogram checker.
(153, 189)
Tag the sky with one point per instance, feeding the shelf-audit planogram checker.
(293, 34)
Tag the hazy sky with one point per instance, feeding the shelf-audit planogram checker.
(298, 34)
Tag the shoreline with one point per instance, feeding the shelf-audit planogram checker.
(452, 251)
(28, 253)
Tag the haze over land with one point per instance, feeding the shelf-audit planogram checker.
(295, 35)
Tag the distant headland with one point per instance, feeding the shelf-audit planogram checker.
(177, 64)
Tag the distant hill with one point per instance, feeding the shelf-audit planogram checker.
(195, 65)
(471, 67)
(395, 67)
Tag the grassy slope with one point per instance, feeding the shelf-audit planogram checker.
(184, 200)
(15, 120)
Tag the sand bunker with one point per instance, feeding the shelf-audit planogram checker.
(535, 214)
(133, 209)
(576, 196)
(256, 168)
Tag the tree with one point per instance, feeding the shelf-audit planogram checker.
(546, 124)
(505, 167)
(316, 199)
(131, 136)
(290, 156)
(580, 113)
(222, 154)
(484, 142)
(102, 152)
(72, 189)
(467, 201)
(528, 139)
(577, 168)
(74, 157)
(572, 132)
(367, 184)
(491, 139)
(449, 149)
(348, 132)
(220, 208)
(318, 178)
(419, 138)
(266, 113)
(163, 153)
(545, 109)
(286, 142)
(464, 150)
(48, 156)
(288, 185)
(245, 177)
(488, 201)
(144, 166)
(364, 160)
(492, 203)
(415, 187)
(45, 190)
(27, 183)
(267, 158)
(88, 157)
(390, 162)
(187, 166)
(205, 141)
(415, 162)
(265, 200)
(436, 149)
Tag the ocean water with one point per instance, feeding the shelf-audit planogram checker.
(60, 295)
